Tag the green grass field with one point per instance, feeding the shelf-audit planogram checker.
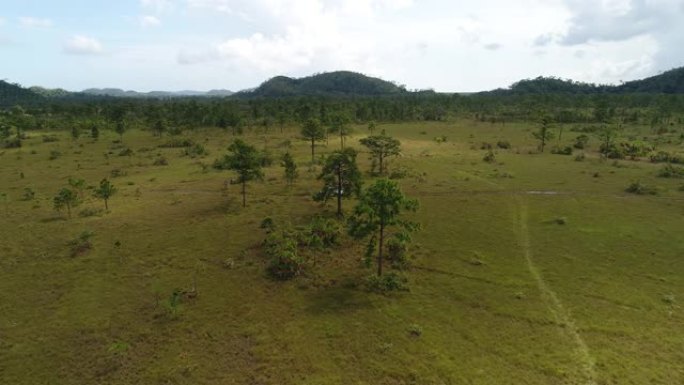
(533, 269)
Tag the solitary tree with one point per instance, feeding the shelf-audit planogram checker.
(371, 126)
(312, 130)
(379, 210)
(105, 191)
(340, 124)
(94, 132)
(246, 161)
(341, 177)
(290, 167)
(120, 128)
(544, 134)
(607, 136)
(65, 198)
(381, 146)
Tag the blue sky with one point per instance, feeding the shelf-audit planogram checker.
(235, 44)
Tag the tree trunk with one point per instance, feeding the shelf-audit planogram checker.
(339, 191)
(382, 240)
(244, 200)
(68, 210)
(312, 150)
(106, 206)
(341, 140)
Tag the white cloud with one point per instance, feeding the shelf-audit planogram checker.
(149, 21)
(33, 22)
(157, 5)
(493, 46)
(82, 45)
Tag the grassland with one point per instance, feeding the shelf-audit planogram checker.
(533, 269)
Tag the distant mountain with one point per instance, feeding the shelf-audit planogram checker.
(14, 94)
(341, 83)
(670, 82)
(119, 93)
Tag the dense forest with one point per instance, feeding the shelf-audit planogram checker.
(656, 101)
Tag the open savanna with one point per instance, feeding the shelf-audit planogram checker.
(533, 269)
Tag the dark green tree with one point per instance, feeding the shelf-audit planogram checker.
(246, 160)
(94, 131)
(120, 128)
(340, 124)
(312, 131)
(382, 146)
(105, 191)
(544, 134)
(341, 177)
(378, 211)
(65, 198)
(290, 167)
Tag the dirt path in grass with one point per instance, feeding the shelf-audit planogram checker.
(555, 306)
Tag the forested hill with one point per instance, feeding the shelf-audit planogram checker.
(13, 94)
(670, 82)
(341, 83)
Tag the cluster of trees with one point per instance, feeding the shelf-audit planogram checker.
(378, 209)
(71, 196)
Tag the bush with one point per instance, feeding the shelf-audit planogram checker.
(386, 283)
(126, 152)
(322, 232)
(580, 157)
(161, 161)
(670, 171)
(14, 142)
(489, 157)
(581, 142)
(54, 154)
(665, 157)
(285, 263)
(29, 194)
(503, 144)
(81, 244)
(440, 139)
(267, 224)
(640, 189)
(196, 150)
(486, 146)
(397, 253)
(567, 150)
(611, 151)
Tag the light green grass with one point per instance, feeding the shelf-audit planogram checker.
(614, 268)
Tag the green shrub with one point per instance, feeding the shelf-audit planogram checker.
(90, 212)
(503, 144)
(126, 152)
(666, 157)
(580, 157)
(285, 262)
(28, 195)
(640, 189)
(81, 244)
(54, 154)
(670, 171)
(161, 161)
(486, 146)
(386, 283)
(397, 253)
(567, 150)
(196, 150)
(489, 157)
(581, 142)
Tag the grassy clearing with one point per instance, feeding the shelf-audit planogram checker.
(612, 260)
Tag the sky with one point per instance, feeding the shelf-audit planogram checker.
(445, 45)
